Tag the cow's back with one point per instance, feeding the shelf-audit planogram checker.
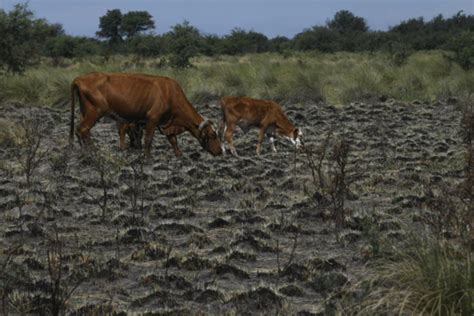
(128, 95)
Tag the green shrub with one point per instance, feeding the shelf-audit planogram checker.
(184, 43)
(23, 37)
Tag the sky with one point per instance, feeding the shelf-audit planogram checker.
(270, 17)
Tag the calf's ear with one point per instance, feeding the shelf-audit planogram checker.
(296, 133)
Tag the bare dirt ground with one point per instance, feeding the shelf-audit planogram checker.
(203, 234)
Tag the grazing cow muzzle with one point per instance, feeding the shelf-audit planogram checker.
(209, 139)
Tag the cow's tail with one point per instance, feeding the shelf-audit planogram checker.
(71, 123)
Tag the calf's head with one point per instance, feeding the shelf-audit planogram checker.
(209, 139)
(295, 137)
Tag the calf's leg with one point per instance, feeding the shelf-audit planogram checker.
(272, 144)
(261, 138)
(229, 132)
(221, 130)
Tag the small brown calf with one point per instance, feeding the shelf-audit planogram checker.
(247, 112)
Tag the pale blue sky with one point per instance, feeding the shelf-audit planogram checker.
(270, 17)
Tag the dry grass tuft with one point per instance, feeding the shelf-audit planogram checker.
(425, 277)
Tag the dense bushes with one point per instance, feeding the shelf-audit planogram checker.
(67, 46)
(463, 49)
(26, 38)
(22, 37)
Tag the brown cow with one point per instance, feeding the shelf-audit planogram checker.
(247, 112)
(136, 98)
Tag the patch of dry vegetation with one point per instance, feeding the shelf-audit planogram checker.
(430, 272)
(300, 77)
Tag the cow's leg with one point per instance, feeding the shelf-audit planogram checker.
(150, 128)
(174, 143)
(229, 132)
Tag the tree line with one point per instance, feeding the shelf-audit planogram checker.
(26, 38)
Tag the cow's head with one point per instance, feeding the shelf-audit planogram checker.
(209, 139)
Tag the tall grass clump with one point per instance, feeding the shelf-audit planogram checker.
(11, 134)
(233, 80)
(267, 80)
(460, 83)
(429, 76)
(307, 76)
(28, 89)
(299, 85)
(427, 276)
(298, 77)
(59, 89)
(362, 82)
